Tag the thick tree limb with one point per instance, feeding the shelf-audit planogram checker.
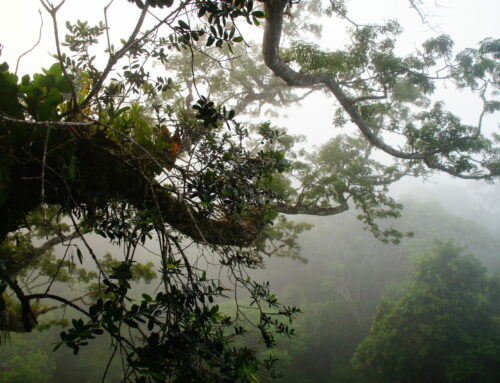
(274, 10)
(270, 47)
(27, 316)
(314, 210)
(105, 174)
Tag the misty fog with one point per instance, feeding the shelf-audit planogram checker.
(350, 287)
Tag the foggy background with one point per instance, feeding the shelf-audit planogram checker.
(467, 211)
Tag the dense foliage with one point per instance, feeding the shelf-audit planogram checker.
(149, 161)
(338, 289)
(346, 274)
(444, 329)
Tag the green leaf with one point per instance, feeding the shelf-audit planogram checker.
(25, 80)
(183, 24)
(63, 85)
(56, 70)
(9, 103)
(47, 109)
(258, 14)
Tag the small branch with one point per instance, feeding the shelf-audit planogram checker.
(113, 58)
(107, 25)
(413, 4)
(56, 241)
(34, 46)
(65, 301)
(89, 248)
(184, 257)
(369, 98)
(53, 13)
(108, 364)
(50, 124)
(424, 16)
(53, 308)
(437, 166)
(313, 209)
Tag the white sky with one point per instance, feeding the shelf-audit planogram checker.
(466, 21)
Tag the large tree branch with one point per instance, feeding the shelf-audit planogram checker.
(104, 174)
(313, 209)
(270, 47)
(27, 317)
(49, 244)
(274, 10)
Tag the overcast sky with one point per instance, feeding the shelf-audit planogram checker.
(468, 22)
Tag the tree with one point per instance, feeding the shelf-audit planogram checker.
(346, 274)
(124, 154)
(444, 329)
(26, 361)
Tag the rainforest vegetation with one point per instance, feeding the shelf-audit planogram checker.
(156, 226)
(349, 279)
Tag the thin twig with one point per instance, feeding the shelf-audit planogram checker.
(89, 248)
(107, 26)
(53, 13)
(34, 46)
(105, 373)
(53, 308)
(113, 58)
(59, 266)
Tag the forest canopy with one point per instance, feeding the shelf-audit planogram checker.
(166, 160)
(443, 330)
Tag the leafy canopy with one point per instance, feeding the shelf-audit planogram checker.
(164, 162)
(444, 329)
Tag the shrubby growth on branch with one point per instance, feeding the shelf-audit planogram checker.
(131, 156)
